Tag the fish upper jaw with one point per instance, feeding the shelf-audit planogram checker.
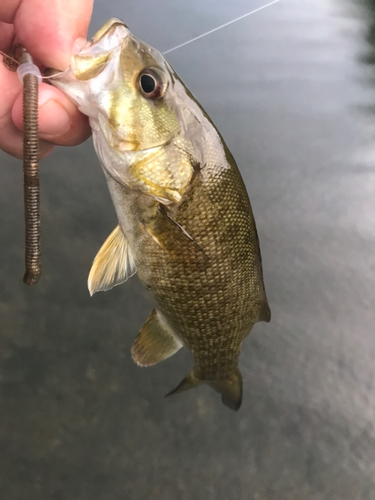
(109, 37)
(94, 68)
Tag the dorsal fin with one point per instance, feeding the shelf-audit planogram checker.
(155, 342)
(112, 265)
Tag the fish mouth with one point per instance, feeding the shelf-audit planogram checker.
(96, 52)
(108, 38)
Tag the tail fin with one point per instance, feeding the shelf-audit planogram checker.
(230, 388)
(265, 312)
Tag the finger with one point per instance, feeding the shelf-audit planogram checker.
(53, 104)
(6, 37)
(12, 142)
(60, 122)
(48, 29)
(10, 138)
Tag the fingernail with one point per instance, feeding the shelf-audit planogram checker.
(54, 119)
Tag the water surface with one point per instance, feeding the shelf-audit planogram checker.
(291, 89)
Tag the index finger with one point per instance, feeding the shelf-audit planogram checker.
(48, 29)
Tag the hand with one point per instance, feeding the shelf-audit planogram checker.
(48, 30)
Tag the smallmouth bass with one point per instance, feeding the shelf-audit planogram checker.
(185, 220)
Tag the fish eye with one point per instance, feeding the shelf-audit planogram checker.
(151, 84)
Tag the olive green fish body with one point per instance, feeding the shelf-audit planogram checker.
(185, 219)
(210, 289)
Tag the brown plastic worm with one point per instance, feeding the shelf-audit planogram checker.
(31, 175)
(30, 165)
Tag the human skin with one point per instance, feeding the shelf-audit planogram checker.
(48, 30)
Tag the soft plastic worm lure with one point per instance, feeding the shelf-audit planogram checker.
(30, 77)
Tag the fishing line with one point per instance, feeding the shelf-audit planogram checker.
(219, 27)
(177, 46)
(15, 64)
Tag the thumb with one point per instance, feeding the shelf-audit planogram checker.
(48, 29)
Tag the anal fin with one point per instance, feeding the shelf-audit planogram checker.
(112, 265)
(155, 342)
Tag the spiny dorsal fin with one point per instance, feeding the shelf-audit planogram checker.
(112, 265)
(155, 342)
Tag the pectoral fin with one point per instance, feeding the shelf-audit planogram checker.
(113, 264)
(174, 239)
(155, 342)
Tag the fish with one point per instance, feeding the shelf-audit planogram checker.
(185, 223)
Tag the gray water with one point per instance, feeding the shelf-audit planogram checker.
(291, 88)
